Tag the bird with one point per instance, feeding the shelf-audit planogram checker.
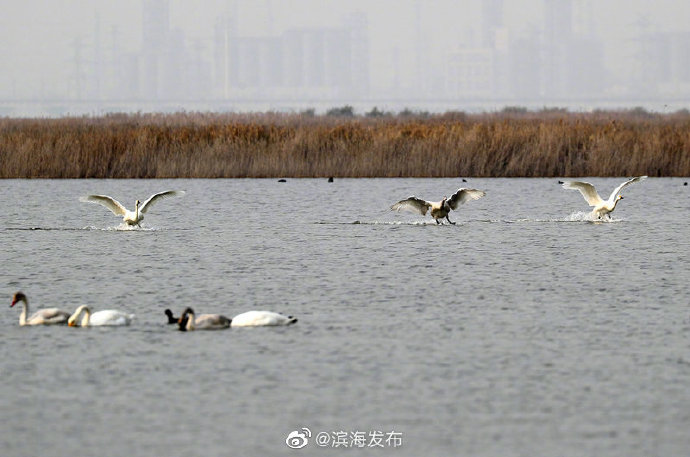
(188, 321)
(171, 319)
(130, 217)
(175, 320)
(261, 318)
(47, 316)
(439, 210)
(601, 207)
(104, 318)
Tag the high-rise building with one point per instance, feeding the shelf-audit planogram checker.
(155, 36)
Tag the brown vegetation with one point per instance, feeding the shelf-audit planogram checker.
(197, 145)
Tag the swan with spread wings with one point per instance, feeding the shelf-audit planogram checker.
(439, 210)
(130, 217)
(601, 207)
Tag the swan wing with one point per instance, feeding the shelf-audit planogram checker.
(48, 316)
(414, 204)
(211, 321)
(261, 318)
(463, 195)
(159, 196)
(617, 190)
(109, 317)
(587, 190)
(109, 202)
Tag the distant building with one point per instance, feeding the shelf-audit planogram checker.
(303, 62)
(663, 63)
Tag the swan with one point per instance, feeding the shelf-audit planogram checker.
(104, 318)
(441, 209)
(47, 316)
(188, 321)
(261, 318)
(601, 207)
(130, 217)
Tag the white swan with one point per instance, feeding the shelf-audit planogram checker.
(261, 318)
(47, 316)
(601, 207)
(104, 318)
(441, 209)
(130, 217)
(188, 321)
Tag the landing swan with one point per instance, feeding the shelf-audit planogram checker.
(261, 318)
(441, 209)
(104, 318)
(47, 316)
(601, 207)
(188, 321)
(130, 217)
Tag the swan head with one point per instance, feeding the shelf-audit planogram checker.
(19, 296)
(188, 310)
(620, 197)
(136, 203)
(72, 321)
(185, 319)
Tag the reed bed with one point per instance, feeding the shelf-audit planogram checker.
(270, 145)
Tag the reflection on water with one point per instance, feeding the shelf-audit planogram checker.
(525, 329)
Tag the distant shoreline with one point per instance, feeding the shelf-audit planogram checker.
(511, 143)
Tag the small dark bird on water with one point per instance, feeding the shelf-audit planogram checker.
(282, 180)
(560, 182)
(182, 320)
(330, 179)
(171, 319)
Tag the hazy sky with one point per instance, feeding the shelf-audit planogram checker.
(38, 37)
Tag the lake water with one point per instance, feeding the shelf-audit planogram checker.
(524, 330)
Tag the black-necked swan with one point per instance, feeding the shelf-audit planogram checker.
(601, 207)
(189, 321)
(441, 209)
(130, 217)
(47, 316)
(261, 318)
(104, 318)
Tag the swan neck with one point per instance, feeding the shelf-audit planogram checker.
(87, 317)
(615, 202)
(24, 313)
(190, 322)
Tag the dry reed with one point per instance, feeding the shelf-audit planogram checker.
(198, 145)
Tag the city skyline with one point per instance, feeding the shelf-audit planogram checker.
(289, 54)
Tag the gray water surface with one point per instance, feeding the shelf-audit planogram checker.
(524, 330)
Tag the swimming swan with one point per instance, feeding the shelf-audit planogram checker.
(47, 316)
(130, 217)
(104, 318)
(441, 209)
(601, 207)
(261, 318)
(188, 321)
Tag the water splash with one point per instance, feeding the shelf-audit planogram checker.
(582, 216)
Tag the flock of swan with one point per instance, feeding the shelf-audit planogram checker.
(440, 210)
(189, 321)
